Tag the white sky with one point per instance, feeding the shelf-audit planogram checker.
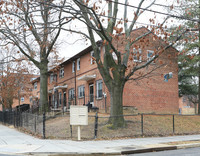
(71, 44)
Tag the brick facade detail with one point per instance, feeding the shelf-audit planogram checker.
(150, 94)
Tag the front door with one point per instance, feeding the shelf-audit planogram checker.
(50, 101)
(64, 99)
(91, 93)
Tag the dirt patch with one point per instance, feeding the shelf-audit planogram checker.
(152, 125)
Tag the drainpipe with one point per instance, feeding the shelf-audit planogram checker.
(75, 82)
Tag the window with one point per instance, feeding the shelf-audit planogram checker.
(31, 100)
(22, 88)
(55, 77)
(51, 77)
(22, 99)
(78, 64)
(73, 66)
(35, 85)
(92, 57)
(61, 72)
(99, 84)
(150, 54)
(71, 94)
(137, 55)
(81, 91)
(60, 98)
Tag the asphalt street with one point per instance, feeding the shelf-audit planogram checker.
(180, 152)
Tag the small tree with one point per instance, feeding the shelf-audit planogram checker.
(12, 81)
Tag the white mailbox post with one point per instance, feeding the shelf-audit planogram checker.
(78, 117)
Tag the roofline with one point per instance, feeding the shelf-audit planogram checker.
(87, 50)
(81, 53)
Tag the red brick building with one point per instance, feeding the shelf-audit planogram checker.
(23, 89)
(78, 81)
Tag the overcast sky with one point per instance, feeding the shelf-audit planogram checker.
(71, 44)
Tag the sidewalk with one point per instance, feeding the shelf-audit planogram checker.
(14, 142)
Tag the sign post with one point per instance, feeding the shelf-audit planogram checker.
(79, 132)
(78, 117)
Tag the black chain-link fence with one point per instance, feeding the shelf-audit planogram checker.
(57, 125)
(31, 123)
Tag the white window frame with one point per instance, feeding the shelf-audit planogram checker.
(35, 85)
(98, 82)
(137, 52)
(78, 64)
(73, 66)
(81, 91)
(71, 94)
(61, 72)
(152, 54)
(22, 99)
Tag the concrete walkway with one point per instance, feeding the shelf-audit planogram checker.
(14, 142)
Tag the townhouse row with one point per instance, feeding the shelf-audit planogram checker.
(77, 81)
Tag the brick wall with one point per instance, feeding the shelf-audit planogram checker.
(150, 94)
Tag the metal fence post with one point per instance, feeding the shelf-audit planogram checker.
(27, 119)
(173, 124)
(3, 117)
(21, 119)
(71, 131)
(142, 124)
(105, 103)
(96, 125)
(44, 118)
(13, 114)
(35, 123)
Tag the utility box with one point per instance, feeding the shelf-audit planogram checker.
(78, 115)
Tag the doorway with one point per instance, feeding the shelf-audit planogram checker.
(91, 93)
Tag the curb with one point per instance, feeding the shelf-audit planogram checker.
(188, 145)
(134, 151)
(74, 154)
(153, 149)
(144, 150)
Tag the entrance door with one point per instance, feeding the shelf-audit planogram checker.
(50, 101)
(91, 93)
(64, 99)
(56, 99)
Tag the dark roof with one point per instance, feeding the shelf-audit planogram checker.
(78, 55)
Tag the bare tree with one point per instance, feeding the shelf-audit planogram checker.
(114, 66)
(33, 26)
(13, 80)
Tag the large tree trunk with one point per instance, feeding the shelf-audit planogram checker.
(44, 86)
(199, 93)
(199, 68)
(116, 102)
